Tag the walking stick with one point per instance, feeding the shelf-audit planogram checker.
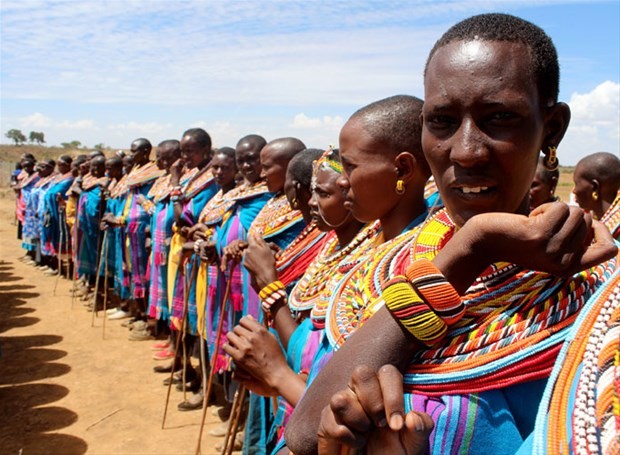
(218, 337)
(105, 287)
(176, 350)
(61, 236)
(102, 258)
(233, 425)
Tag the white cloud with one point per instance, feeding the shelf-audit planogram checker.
(595, 123)
(303, 121)
(35, 120)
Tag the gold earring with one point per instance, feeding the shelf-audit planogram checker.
(294, 203)
(550, 161)
(595, 195)
(400, 187)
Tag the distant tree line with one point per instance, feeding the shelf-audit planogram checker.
(37, 136)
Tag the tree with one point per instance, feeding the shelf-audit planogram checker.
(37, 137)
(71, 145)
(100, 147)
(17, 136)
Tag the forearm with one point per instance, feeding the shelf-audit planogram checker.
(291, 386)
(283, 322)
(380, 341)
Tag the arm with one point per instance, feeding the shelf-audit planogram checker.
(556, 239)
(259, 259)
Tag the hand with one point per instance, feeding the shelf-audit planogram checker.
(140, 199)
(197, 232)
(370, 413)
(253, 384)
(233, 253)
(175, 172)
(257, 351)
(555, 238)
(260, 259)
(207, 252)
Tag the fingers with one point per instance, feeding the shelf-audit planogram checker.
(251, 324)
(332, 434)
(601, 249)
(365, 384)
(391, 382)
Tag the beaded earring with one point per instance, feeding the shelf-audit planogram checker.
(400, 187)
(550, 161)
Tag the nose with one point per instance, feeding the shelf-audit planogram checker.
(468, 145)
(312, 203)
(343, 182)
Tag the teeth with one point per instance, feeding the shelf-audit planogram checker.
(473, 189)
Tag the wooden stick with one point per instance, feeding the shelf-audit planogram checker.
(176, 353)
(235, 416)
(101, 259)
(102, 419)
(218, 337)
(105, 289)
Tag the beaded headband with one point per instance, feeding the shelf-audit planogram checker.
(326, 161)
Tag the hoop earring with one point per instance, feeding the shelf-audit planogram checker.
(595, 195)
(294, 203)
(400, 187)
(550, 161)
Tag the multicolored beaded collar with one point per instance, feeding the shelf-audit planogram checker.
(275, 217)
(514, 323)
(141, 175)
(611, 219)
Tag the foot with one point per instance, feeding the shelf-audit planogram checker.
(193, 402)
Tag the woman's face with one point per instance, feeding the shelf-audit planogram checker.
(483, 127)
(369, 175)
(248, 162)
(327, 201)
(541, 191)
(192, 153)
(583, 189)
(224, 170)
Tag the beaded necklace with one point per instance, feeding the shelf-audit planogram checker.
(119, 188)
(514, 323)
(199, 181)
(215, 211)
(45, 180)
(580, 409)
(611, 219)
(275, 217)
(322, 271)
(349, 305)
(295, 258)
(160, 189)
(140, 175)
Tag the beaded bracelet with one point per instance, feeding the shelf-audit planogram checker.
(436, 291)
(271, 293)
(412, 312)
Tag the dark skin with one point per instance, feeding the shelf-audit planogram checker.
(192, 155)
(274, 162)
(482, 115)
(595, 194)
(255, 351)
(542, 189)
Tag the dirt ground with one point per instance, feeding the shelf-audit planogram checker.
(64, 389)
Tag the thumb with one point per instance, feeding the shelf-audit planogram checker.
(415, 435)
(602, 248)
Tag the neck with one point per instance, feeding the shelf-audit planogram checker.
(348, 232)
(401, 216)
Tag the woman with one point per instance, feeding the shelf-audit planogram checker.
(544, 184)
(485, 121)
(597, 180)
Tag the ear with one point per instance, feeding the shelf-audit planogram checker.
(406, 166)
(596, 186)
(557, 119)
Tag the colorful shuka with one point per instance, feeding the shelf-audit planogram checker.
(88, 234)
(55, 230)
(281, 225)
(198, 191)
(482, 380)
(611, 218)
(117, 260)
(139, 181)
(228, 219)
(33, 221)
(25, 187)
(161, 210)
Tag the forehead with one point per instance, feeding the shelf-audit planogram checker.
(356, 143)
(268, 153)
(479, 69)
(325, 176)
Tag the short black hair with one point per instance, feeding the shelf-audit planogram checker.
(170, 142)
(229, 152)
(200, 136)
(142, 144)
(544, 65)
(300, 166)
(602, 166)
(395, 122)
(255, 140)
(65, 159)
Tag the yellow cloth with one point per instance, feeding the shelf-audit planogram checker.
(174, 259)
(201, 296)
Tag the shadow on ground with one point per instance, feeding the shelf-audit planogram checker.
(26, 412)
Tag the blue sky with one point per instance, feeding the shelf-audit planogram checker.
(110, 71)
